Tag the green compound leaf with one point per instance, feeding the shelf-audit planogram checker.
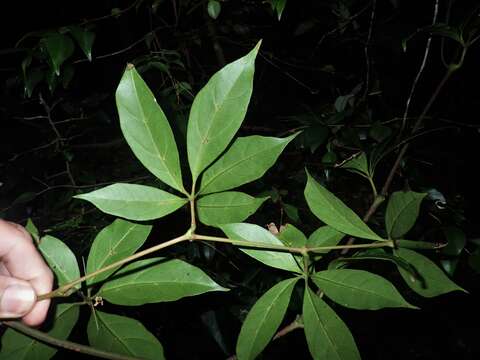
(327, 335)
(247, 159)
(258, 235)
(359, 289)
(147, 130)
(16, 346)
(122, 335)
(134, 202)
(59, 48)
(402, 212)
(218, 111)
(61, 260)
(156, 280)
(264, 319)
(118, 240)
(432, 282)
(227, 207)
(332, 211)
(84, 38)
(324, 236)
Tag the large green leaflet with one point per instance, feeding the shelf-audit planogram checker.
(358, 164)
(16, 346)
(264, 319)
(122, 335)
(115, 242)
(218, 111)
(60, 259)
(327, 335)
(147, 130)
(402, 212)
(359, 289)
(227, 207)
(324, 236)
(291, 236)
(156, 280)
(133, 201)
(332, 211)
(59, 48)
(246, 160)
(258, 235)
(433, 281)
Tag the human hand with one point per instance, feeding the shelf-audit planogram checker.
(23, 276)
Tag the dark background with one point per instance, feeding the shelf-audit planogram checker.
(297, 75)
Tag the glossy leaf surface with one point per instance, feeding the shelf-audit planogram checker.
(359, 289)
(227, 207)
(402, 212)
(246, 160)
(122, 335)
(115, 242)
(147, 130)
(327, 335)
(332, 211)
(258, 235)
(218, 111)
(264, 319)
(60, 259)
(156, 280)
(134, 202)
(432, 282)
(16, 346)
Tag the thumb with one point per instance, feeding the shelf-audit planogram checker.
(17, 297)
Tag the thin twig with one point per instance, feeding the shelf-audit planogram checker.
(365, 49)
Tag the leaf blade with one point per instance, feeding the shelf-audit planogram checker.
(227, 207)
(218, 111)
(258, 235)
(402, 212)
(263, 320)
(122, 335)
(327, 335)
(157, 280)
(146, 129)
(359, 289)
(114, 242)
(134, 202)
(246, 160)
(333, 212)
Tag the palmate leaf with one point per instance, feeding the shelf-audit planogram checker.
(61, 260)
(218, 111)
(16, 346)
(247, 159)
(258, 235)
(332, 211)
(134, 202)
(402, 212)
(264, 319)
(227, 207)
(432, 282)
(122, 335)
(156, 280)
(147, 130)
(359, 289)
(327, 335)
(115, 242)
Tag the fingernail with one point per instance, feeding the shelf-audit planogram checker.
(17, 300)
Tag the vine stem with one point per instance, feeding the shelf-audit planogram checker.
(69, 345)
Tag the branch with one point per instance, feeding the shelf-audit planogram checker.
(69, 345)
